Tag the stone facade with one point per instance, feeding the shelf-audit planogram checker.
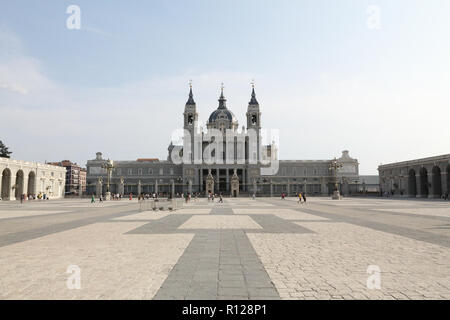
(170, 177)
(420, 178)
(19, 177)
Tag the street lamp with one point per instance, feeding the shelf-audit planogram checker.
(334, 167)
(109, 166)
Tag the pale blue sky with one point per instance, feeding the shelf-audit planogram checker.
(323, 78)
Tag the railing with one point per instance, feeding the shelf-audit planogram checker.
(160, 204)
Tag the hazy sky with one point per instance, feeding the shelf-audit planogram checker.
(325, 77)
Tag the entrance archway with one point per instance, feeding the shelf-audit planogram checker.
(412, 186)
(424, 182)
(6, 184)
(19, 184)
(436, 181)
(31, 183)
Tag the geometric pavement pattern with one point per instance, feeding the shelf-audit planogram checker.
(241, 249)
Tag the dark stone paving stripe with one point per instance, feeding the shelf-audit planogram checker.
(273, 224)
(222, 211)
(397, 230)
(218, 264)
(11, 238)
(167, 224)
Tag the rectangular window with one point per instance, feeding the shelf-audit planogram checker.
(171, 171)
(150, 171)
(130, 171)
(161, 171)
(139, 171)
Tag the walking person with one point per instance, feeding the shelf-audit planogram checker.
(304, 197)
(100, 199)
(220, 198)
(93, 199)
(300, 197)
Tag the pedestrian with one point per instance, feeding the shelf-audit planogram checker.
(300, 197)
(100, 198)
(304, 197)
(220, 198)
(93, 199)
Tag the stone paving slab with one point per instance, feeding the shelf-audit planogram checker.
(332, 263)
(113, 265)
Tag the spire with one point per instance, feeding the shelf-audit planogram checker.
(222, 100)
(253, 100)
(191, 96)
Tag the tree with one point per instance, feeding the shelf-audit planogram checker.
(4, 150)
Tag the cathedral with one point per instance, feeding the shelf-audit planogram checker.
(223, 159)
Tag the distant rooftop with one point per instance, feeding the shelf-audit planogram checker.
(148, 160)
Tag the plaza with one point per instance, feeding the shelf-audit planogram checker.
(241, 249)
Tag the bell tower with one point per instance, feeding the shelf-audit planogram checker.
(253, 124)
(190, 124)
(190, 111)
(253, 113)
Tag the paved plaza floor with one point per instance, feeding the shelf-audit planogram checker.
(268, 248)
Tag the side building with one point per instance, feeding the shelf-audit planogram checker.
(30, 178)
(420, 178)
(75, 177)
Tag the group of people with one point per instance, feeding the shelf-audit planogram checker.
(301, 197)
(39, 196)
(212, 196)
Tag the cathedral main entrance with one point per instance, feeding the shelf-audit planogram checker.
(222, 180)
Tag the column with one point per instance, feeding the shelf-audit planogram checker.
(201, 180)
(244, 179)
(254, 187)
(228, 180)
(288, 188)
(190, 187)
(271, 188)
(25, 185)
(323, 188)
(99, 189)
(173, 188)
(217, 177)
(443, 180)
(418, 186)
(12, 192)
(156, 187)
(139, 188)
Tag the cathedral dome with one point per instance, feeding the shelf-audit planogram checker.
(221, 114)
(222, 117)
